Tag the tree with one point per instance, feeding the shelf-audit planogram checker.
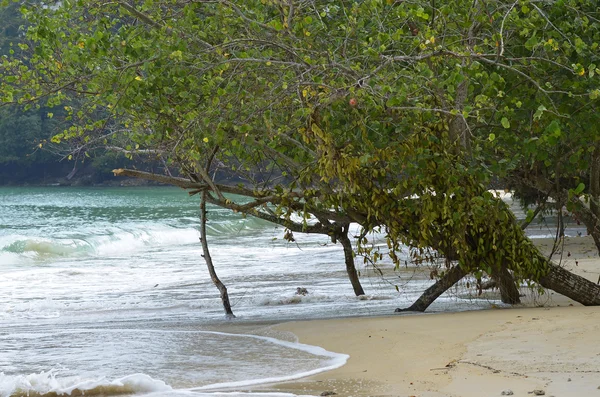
(391, 114)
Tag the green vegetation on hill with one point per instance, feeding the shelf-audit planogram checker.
(22, 131)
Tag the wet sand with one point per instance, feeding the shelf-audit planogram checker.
(554, 348)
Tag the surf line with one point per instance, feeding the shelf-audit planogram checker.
(338, 360)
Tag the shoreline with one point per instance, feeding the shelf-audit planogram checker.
(467, 354)
(477, 353)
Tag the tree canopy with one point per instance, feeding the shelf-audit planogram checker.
(394, 114)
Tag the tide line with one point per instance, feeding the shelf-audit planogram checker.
(337, 361)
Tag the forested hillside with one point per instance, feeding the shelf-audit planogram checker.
(22, 160)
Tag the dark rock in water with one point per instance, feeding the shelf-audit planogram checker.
(328, 393)
(507, 392)
(302, 291)
(539, 392)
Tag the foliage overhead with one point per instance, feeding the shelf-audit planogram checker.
(392, 114)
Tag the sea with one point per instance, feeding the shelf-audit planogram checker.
(104, 291)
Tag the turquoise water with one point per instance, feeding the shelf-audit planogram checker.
(105, 290)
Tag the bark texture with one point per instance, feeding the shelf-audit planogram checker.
(342, 237)
(509, 292)
(571, 285)
(451, 277)
(209, 263)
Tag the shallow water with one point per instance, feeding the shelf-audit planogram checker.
(105, 291)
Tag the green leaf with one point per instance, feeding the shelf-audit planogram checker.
(8, 97)
(505, 122)
(277, 25)
(530, 215)
(539, 112)
(554, 129)
(531, 43)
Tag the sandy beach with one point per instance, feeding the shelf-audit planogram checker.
(554, 349)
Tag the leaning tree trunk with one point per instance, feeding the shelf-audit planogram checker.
(450, 278)
(211, 268)
(349, 258)
(557, 279)
(571, 285)
(509, 293)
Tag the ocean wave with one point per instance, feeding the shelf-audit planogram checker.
(10, 258)
(51, 383)
(47, 384)
(46, 247)
(113, 240)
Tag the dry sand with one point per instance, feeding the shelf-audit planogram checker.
(470, 354)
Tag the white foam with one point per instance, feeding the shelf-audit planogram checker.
(10, 259)
(114, 241)
(127, 241)
(538, 236)
(177, 393)
(48, 383)
(336, 361)
(294, 299)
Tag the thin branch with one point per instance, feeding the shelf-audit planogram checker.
(204, 174)
(502, 28)
(265, 42)
(138, 14)
(185, 183)
(293, 226)
(550, 22)
(245, 17)
(135, 151)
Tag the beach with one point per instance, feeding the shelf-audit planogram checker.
(552, 349)
(132, 309)
(105, 291)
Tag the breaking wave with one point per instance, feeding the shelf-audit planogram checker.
(50, 384)
(115, 241)
(47, 384)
